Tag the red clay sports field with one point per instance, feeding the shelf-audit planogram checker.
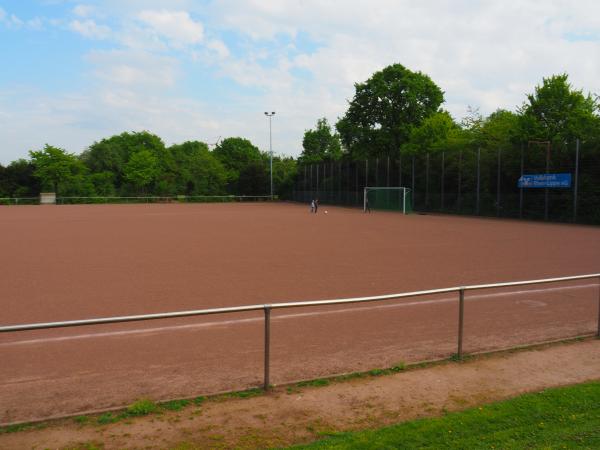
(86, 261)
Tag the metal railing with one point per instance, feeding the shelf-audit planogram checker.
(101, 199)
(19, 200)
(268, 307)
(161, 199)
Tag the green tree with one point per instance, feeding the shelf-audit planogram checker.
(240, 158)
(198, 171)
(60, 171)
(385, 109)
(254, 179)
(18, 180)
(284, 175)
(321, 144)
(111, 155)
(142, 169)
(436, 133)
(556, 112)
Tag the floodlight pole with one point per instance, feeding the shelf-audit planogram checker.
(270, 115)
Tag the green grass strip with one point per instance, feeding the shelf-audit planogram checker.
(562, 418)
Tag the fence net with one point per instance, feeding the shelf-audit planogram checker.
(480, 181)
(391, 199)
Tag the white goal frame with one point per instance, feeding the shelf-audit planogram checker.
(405, 192)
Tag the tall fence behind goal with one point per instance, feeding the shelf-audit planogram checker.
(471, 180)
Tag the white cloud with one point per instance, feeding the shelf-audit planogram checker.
(219, 48)
(301, 58)
(35, 24)
(83, 10)
(90, 29)
(15, 21)
(135, 69)
(177, 27)
(10, 20)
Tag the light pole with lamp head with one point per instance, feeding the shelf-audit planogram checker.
(270, 115)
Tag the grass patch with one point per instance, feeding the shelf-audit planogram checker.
(556, 418)
(106, 418)
(174, 405)
(142, 408)
(314, 383)
(254, 392)
(22, 427)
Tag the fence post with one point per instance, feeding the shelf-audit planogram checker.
(478, 179)
(459, 179)
(267, 346)
(576, 181)
(461, 313)
(400, 171)
(412, 181)
(521, 189)
(427, 181)
(356, 188)
(546, 191)
(443, 176)
(598, 334)
(498, 183)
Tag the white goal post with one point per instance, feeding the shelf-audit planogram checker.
(400, 198)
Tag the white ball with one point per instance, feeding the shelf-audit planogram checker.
(325, 211)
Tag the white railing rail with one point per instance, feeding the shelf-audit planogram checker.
(268, 307)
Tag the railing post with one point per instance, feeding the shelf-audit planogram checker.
(267, 346)
(461, 312)
(598, 333)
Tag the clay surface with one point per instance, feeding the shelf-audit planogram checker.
(85, 261)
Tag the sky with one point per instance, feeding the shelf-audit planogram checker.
(75, 72)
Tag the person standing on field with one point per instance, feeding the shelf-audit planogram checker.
(316, 205)
(312, 206)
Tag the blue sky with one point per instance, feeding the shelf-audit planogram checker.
(73, 72)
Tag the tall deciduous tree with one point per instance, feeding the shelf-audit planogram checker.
(18, 180)
(60, 171)
(111, 155)
(557, 112)
(435, 133)
(142, 169)
(198, 171)
(385, 109)
(243, 160)
(321, 144)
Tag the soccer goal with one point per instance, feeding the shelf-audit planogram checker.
(390, 198)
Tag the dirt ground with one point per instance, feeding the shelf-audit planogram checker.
(85, 261)
(288, 416)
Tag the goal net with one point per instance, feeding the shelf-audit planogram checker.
(388, 198)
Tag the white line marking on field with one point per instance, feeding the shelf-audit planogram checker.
(371, 307)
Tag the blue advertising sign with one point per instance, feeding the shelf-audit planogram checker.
(545, 180)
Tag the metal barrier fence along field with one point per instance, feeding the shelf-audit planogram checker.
(77, 200)
(269, 307)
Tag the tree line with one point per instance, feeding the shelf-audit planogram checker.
(139, 164)
(395, 113)
(399, 112)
